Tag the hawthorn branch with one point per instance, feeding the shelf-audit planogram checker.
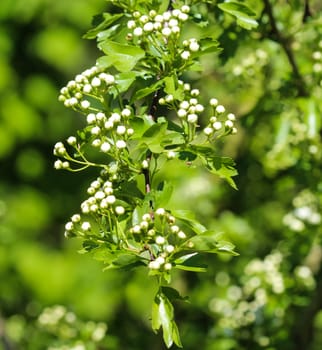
(285, 44)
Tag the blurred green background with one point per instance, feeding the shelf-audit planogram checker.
(270, 297)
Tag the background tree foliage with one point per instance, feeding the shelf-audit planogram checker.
(270, 296)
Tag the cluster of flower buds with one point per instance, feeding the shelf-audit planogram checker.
(317, 58)
(164, 241)
(251, 63)
(102, 200)
(88, 83)
(220, 123)
(165, 25)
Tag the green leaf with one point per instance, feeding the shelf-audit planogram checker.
(209, 45)
(147, 90)
(188, 217)
(163, 194)
(125, 80)
(102, 22)
(190, 262)
(209, 242)
(224, 167)
(122, 57)
(244, 15)
(153, 137)
(172, 293)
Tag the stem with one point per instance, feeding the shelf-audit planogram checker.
(285, 44)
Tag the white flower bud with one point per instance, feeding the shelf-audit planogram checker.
(185, 8)
(217, 125)
(120, 144)
(167, 15)
(115, 117)
(199, 108)
(138, 31)
(169, 248)
(231, 117)
(121, 130)
(100, 116)
(72, 140)
(181, 235)
(99, 195)
(144, 225)
(171, 155)
(65, 165)
(192, 118)
(194, 46)
(220, 109)
(108, 125)
(126, 112)
(110, 199)
(96, 130)
(86, 226)
(151, 233)
(173, 22)
(119, 210)
(130, 132)
(229, 124)
(160, 260)
(69, 226)
(175, 30)
(85, 104)
(160, 211)
(213, 102)
(145, 164)
(183, 17)
(131, 24)
(136, 229)
(105, 147)
(166, 31)
(154, 265)
(160, 240)
(76, 218)
(175, 229)
(208, 131)
(96, 82)
(146, 217)
(159, 18)
(87, 88)
(169, 98)
(168, 266)
(91, 118)
(96, 142)
(185, 55)
(144, 19)
(148, 27)
(184, 105)
(195, 92)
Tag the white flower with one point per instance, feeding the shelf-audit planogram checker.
(108, 78)
(199, 108)
(86, 226)
(158, 18)
(85, 104)
(144, 19)
(160, 260)
(120, 144)
(183, 17)
(195, 92)
(160, 240)
(65, 165)
(167, 15)
(173, 22)
(185, 55)
(175, 30)
(136, 229)
(181, 235)
(130, 131)
(185, 8)
(100, 116)
(99, 195)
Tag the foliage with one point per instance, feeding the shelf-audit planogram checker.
(269, 76)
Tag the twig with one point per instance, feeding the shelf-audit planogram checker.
(285, 44)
